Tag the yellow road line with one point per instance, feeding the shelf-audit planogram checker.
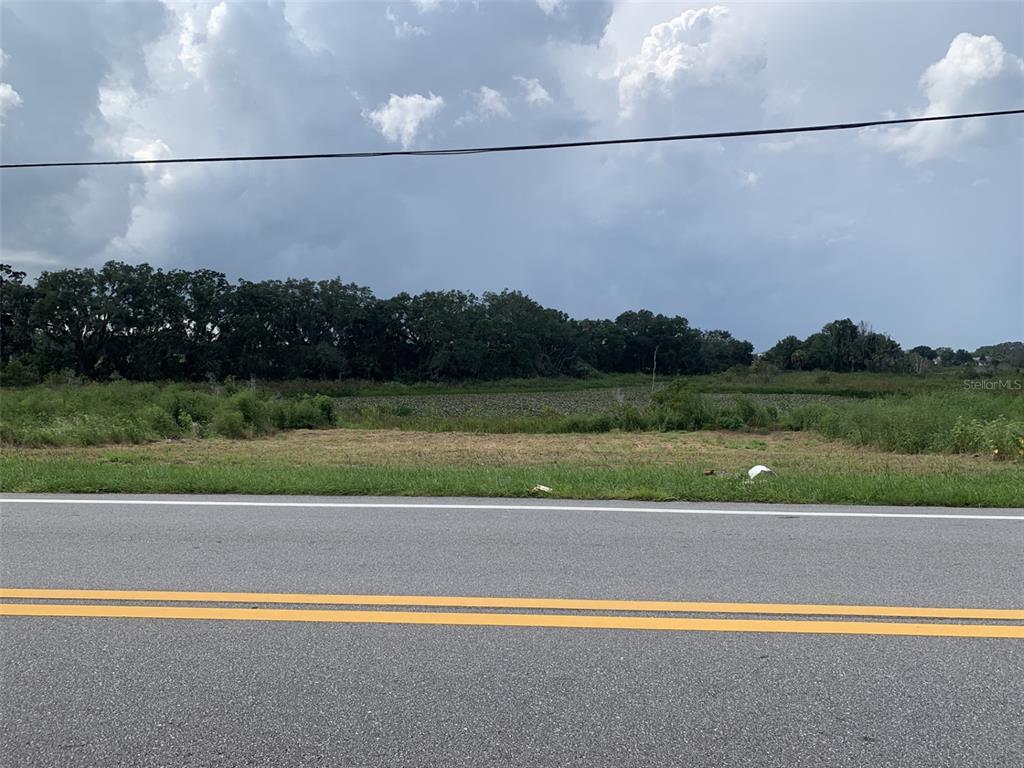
(794, 626)
(647, 606)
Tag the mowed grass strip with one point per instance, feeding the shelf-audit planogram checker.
(643, 466)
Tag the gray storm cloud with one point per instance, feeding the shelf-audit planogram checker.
(756, 237)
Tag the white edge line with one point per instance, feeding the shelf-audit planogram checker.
(506, 508)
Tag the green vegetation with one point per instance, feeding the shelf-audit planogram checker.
(651, 465)
(851, 438)
(983, 490)
(123, 412)
(843, 345)
(956, 422)
(746, 379)
(145, 360)
(928, 420)
(144, 324)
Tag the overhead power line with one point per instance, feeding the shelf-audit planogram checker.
(520, 147)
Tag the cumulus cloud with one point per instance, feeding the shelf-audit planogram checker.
(196, 33)
(488, 103)
(402, 117)
(491, 103)
(9, 99)
(977, 74)
(403, 29)
(549, 6)
(140, 149)
(573, 229)
(703, 47)
(749, 179)
(535, 93)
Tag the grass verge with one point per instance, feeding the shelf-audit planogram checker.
(609, 466)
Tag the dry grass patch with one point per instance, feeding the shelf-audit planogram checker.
(723, 452)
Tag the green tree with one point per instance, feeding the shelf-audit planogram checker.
(719, 351)
(16, 300)
(206, 299)
(784, 354)
(523, 339)
(70, 316)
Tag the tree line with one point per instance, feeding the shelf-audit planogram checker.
(142, 323)
(843, 345)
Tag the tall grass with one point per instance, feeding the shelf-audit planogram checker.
(691, 411)
(741, 380)
(857, 384)
(951, 421)
(123, 412)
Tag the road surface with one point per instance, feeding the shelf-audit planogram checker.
(460, 632)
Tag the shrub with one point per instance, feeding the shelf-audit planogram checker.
(325, 405)
(189, 427)
(750, 414)
(159, 421)
(258, 415)
(187, 407)
(301, 414)
(583, 370)
(1005, 439)
(17, 374)
(62, 378)
(229, 422)
(679, 407)
(967, 436)
(628, 418)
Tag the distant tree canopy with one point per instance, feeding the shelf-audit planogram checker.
(144, 323)
(841, 345)
(1009, 354)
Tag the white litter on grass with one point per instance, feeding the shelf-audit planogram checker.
(757, 470)
(540, 489)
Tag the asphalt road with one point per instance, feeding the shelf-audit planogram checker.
(90, 691)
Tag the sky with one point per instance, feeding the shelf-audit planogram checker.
(918, 230)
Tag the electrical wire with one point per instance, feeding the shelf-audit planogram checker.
(519, 147)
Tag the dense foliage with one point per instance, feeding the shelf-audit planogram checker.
(844, 346)
(141, 323)
(839, 346)
(146, 324)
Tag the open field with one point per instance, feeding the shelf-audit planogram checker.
(856, 384)
(954, 420)
(615, 465)
(896, 441)
(498, 405)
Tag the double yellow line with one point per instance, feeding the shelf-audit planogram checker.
(494, 612)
